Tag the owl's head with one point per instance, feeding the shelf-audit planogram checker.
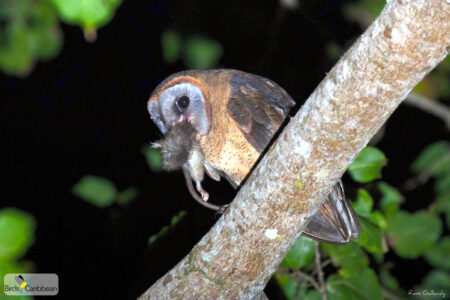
(180, 98)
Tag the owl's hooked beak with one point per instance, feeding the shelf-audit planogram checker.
(181, 119)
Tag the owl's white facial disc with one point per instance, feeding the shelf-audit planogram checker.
(184, 102)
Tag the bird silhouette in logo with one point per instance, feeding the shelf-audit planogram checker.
(21, 282)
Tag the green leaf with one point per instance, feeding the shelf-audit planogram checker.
(32, 34)
(361, 286)
(437, 281)
(390, 200)
(127, 196)
(363, 11)
(287, 284)
(367, 166)
(378, 257)
(153, 238)
(388, 280)
(364, 203)
(45, 33)
(16, 233)
(312, 295)
(171, 46)
(442, 167)
(411, 235)
(334, 51)
(438, 255)
(176, 219)
(300, 253)
(447, 220)
(173, 222)
(163, 230)
(374, 6)
(371, 238)
(431, 156)
(302, 290)
(290, 287)
(201, 52)
(442, 185)
(442, 205)
(16, 57)
(377, 218)
(98, 191)
(89, 14)
(154, 158)
(350, 257)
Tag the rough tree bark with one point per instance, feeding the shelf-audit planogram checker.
(236, 258)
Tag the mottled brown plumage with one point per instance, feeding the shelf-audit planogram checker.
(235, 115)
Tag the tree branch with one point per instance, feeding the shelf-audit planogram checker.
(319, 270)
(237, 257)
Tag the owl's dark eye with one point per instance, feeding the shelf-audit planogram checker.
(183, 102)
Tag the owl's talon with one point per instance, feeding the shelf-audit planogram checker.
(222, 209)
(204, 194)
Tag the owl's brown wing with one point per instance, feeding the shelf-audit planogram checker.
(258, 106)
(335, 221)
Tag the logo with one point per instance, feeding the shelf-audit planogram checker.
(21, 282)
(33, 284)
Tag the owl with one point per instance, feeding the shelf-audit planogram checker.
(219, 122)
